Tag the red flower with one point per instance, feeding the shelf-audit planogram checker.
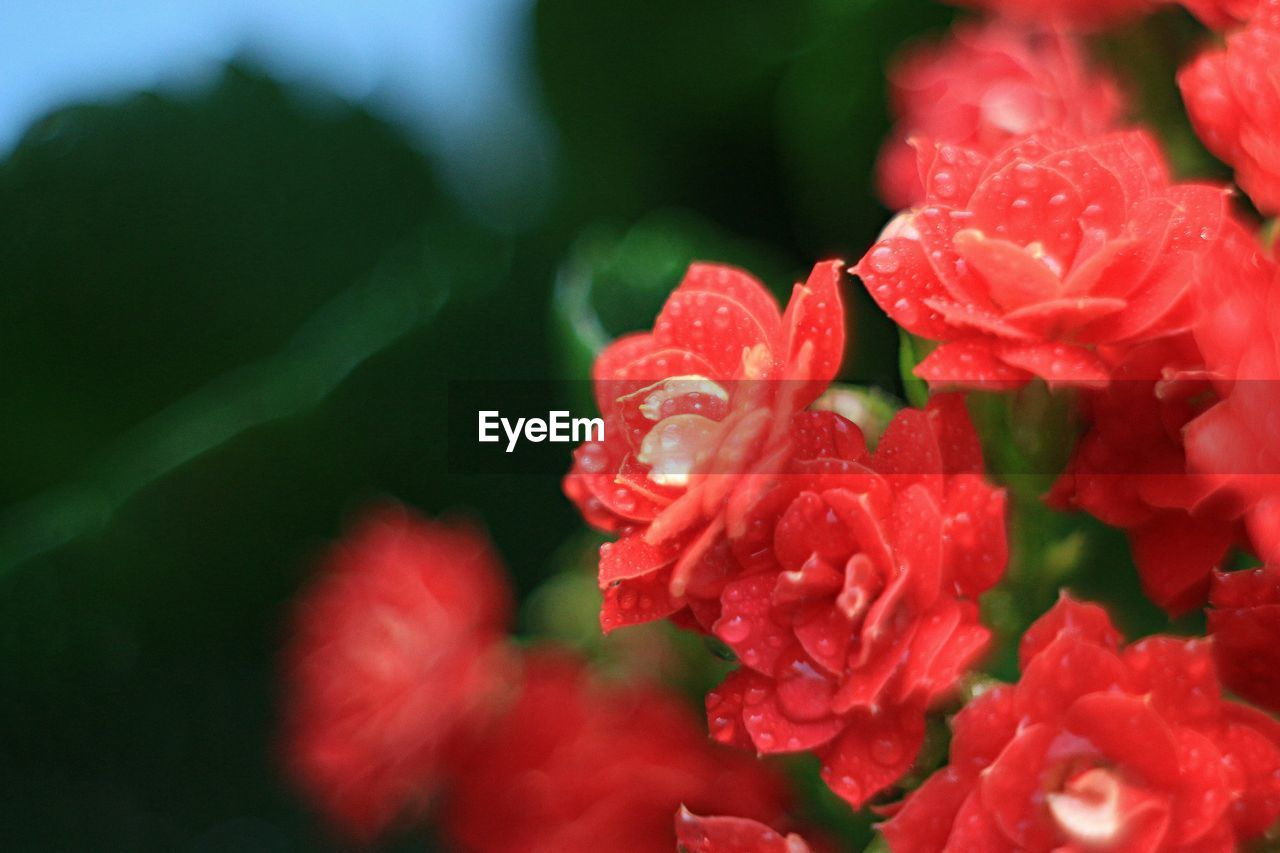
(1023, 263)
(696, 834)
(1234, 104)
(983, 87)
(1234, 446)
(1245, 624)
(1222, 14)
(696, 411)
(577, 766)
(1129, 470)
(1099, 748)
(1070, 14)
(396, 653)
(866, 616)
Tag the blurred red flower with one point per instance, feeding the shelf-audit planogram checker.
(1221, 14)
(1069, 14)
(1245, 624)
(695, 411)
(697, 834)
(867, 615)
(397, 654)
(1234, 447)
(1234, 103)
(984, 86)
(576, 765)
(1099, 748)
(1025, 262)
(1130, 468)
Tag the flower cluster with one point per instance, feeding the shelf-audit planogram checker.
(1040, 245)
(1101, 748)
(843, 580)
(403, 691)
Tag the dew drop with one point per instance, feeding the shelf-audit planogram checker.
(884, 260)
(735, 630)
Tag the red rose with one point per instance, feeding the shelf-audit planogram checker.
(1026, 262)
(1245, 624)
(576, 766)
(981, 88)
(696, 834)
(867, 616)
(1071, 14)
(695, 412)
(397, 653)
(1099, 748)
(1234, 104)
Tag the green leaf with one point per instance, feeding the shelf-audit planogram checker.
(915, 388)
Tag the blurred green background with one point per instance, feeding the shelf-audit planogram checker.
(230, 313)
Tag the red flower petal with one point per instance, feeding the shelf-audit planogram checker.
(983, 728)
(724, 707)
(746, 624)
(1071, 618)
(731, 835)
(1178, 677)
(899, 278)
(741, 287)
(1129, 732)
(925, 820)
(1175, 553)
(970, 364)
(1067, 669)
(814, 322)
(713, 326)
(632, 557)
(1057, 364)
(1012, 787)
(974, 533)
(872, 753)
(636, 600)
(1027, 203)
(1204, 790)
